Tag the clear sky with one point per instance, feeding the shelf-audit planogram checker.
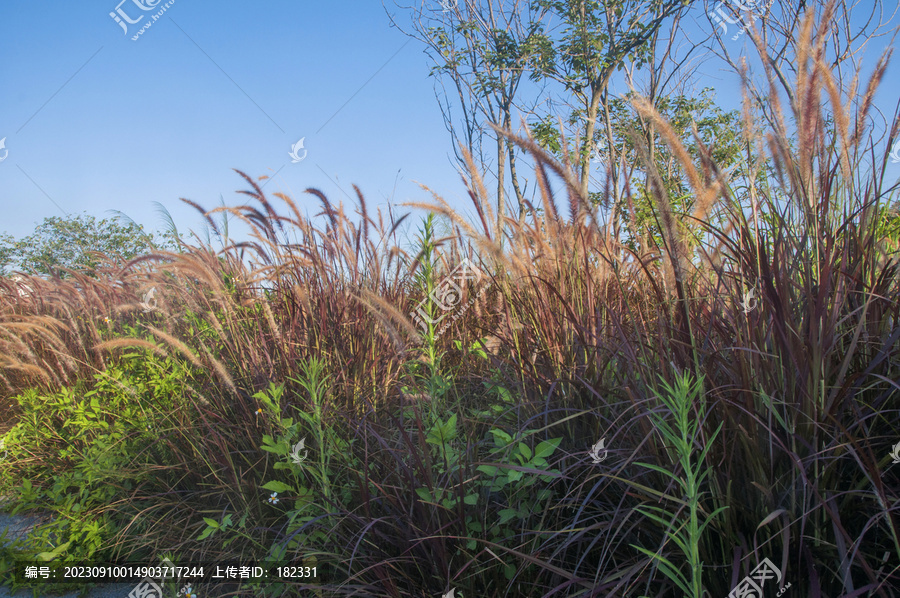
(95, 121)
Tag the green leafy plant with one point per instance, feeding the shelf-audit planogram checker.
(682, 437)
(321, 468)
(427, 372)
(94, 446)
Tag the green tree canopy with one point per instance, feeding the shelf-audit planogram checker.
(719, 131)
(75, 242)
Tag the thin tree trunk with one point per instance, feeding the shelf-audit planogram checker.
(501, 175)
(598, 86)
(515, 181)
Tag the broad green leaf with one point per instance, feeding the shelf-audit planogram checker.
(276, 486)
(507, 514)
(546, 448)
(450, 428)
(49, 556)
(544, 494)
(487, 469)
(525, 451)
(501, 438)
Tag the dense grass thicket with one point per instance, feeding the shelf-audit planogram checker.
(742, 369)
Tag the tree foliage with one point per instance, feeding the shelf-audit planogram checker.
(716, 129)
(79, 242)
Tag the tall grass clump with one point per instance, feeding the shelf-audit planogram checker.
(280, 403)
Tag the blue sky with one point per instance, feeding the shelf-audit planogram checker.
(206, 89)
(95, 121)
